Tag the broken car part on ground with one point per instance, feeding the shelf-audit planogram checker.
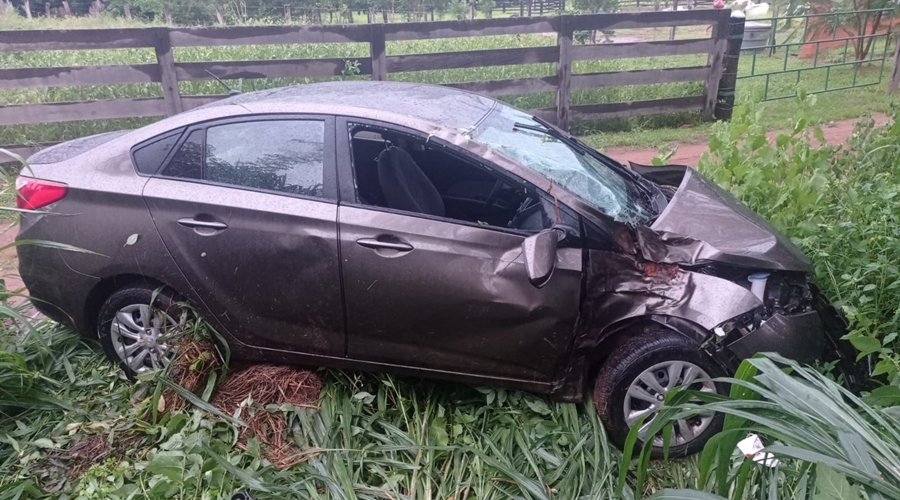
(418, 229)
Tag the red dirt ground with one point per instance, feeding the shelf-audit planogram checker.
(689, 154)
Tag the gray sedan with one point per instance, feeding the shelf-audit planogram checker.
(418, 229)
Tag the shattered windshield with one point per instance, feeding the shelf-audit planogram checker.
(582, 174)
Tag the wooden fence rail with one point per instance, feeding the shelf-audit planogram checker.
(168, 72)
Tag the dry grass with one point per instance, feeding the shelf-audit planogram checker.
(194, 361)
(248, 391)
(265, 385)
(81, 456)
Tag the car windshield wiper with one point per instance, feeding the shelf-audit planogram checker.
(546, 129)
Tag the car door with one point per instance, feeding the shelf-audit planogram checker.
(247, 209)
(438, 294)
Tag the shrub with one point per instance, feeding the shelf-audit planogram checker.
(839, 203)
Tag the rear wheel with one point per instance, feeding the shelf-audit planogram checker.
(137, 326)
(634, 381)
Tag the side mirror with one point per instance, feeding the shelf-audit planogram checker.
(539, 252)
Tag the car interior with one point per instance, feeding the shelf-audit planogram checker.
(402, 172)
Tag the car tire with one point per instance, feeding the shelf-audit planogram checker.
(120, 337)
(654, 355)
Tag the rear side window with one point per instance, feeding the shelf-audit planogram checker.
(148, 158)
(275, 155)
(285, 156)
(188, 161)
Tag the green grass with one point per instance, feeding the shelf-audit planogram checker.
(370, 437)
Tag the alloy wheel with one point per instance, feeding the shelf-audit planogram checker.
(140, 335)
(647, 392)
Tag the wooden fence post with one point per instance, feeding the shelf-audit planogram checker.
(563, 70)
(377, 52)
(521, 8)
(725, 100)
(127, 9)
(168, 79)
(167, 11)
(27, 8)
(471, 11)
(220, 17)
(287, 13)
(895, 75)
(674, 9)
(47, 9)
(715, 61)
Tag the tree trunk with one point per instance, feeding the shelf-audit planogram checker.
(220, 17)
(127, 9)
(876, 23)
(27, 8)
(167, 12)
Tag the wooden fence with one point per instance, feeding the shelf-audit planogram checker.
(167, 72)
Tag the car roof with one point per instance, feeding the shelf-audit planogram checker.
(442, 106)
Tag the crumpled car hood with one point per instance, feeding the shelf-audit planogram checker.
(704, 223)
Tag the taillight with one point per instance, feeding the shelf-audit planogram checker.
(32, 194)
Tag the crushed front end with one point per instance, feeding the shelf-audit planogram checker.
(795, 321)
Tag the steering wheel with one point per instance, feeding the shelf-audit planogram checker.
(492, 195)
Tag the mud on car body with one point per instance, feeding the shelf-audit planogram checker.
(416, 229)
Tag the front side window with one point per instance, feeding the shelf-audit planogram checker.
(582, 174)
(402, 172)
(286, 156)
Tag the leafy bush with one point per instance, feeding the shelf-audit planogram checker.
(840, 203)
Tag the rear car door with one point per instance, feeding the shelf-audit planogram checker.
(247, 209)
(445, 295)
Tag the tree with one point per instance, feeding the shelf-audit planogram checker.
(486, 7)
(851, 21)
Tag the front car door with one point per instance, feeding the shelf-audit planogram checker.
(247, 209)
(446, 295)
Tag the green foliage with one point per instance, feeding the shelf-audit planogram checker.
(831, 443)
(839, 203)
(486, 7)
(372, 437)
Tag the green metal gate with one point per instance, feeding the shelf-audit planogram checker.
(820, 52)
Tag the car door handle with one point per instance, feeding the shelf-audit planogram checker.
(373, 243)
(188, 222)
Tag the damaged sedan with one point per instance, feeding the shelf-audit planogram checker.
(417, 229)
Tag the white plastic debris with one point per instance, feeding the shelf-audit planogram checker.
(752, 446)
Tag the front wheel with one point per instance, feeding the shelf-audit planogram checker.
(634, 380)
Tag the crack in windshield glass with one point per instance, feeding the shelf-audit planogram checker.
(583, 174)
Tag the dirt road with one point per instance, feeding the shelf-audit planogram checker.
(689, 154)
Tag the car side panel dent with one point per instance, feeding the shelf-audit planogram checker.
(621, 288)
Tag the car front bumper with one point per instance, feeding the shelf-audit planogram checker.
(808, 337)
